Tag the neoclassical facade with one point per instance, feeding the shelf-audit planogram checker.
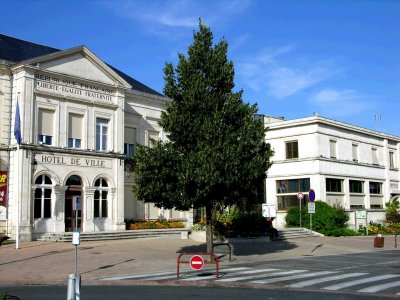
(79, 119)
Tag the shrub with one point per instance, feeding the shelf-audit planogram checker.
(392, 211)
(327, 220)
(158, 224)
(233, 222)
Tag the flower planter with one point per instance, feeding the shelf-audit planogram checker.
(199, 236)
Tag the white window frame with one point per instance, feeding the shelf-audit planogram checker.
(355, 152)
(375, 156)
(43, 186)
(392, 160)
(46, 139)
(333, 149)
(101, 137)
(75, 142)
(100, 188)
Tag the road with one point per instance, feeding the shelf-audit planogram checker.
(370, 273)
(176, 293)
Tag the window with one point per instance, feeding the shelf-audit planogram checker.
(293, 185)
(334, 185)
(356, 186)
(292, 150)
(42, 200)
(332, 148)
(101, 134)
(375, 188)
(287, 192)
(355, 152)
(129, 141)
(153, 136)
(375, 156)
(391, 159)
(45, 126)
(100, 198)
(75, 122)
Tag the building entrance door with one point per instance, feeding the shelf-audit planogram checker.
(73, 204)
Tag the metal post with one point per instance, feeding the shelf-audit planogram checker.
(71, 287)
(311, 244)
(300, 212)
(76, 259)
(74, 280)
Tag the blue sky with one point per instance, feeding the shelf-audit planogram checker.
(340, 59)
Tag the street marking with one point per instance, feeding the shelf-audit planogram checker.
(359, 281)
(199, 278)
(258, 271)
(230, 279)
(234, 269)
(122, 277)
(272, 280)
(380, 287)
(324, 279)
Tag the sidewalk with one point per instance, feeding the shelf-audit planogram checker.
(50, 263)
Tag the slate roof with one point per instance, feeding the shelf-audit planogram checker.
(14, 50)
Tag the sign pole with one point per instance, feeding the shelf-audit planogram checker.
(311, 211)
(300, 197)
(311, 241)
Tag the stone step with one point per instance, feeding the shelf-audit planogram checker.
(294, 233)
(112, 235)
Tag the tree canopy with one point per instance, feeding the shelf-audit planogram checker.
(216, 152)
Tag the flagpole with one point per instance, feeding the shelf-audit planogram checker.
(17, 196)
(17, 160)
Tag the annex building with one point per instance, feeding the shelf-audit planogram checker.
(79, 119)
(346, 165)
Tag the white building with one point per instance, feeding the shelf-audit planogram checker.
(80, 118)
(346, 165)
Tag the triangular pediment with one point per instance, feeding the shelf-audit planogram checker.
(78, 62)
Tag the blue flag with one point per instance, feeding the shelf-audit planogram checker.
(17, 125)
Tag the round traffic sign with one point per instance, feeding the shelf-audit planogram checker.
(196, 262)
(311, 195)
(300, 196)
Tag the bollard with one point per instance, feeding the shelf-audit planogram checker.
(74, 287)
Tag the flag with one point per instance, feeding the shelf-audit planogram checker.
(17, 125)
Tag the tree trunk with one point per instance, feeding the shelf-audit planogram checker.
(209, 233)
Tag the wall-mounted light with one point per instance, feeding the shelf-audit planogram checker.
(34, 165)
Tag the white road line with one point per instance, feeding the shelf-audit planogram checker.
(171, 276)
(380, 287)
(258, 271)
(272, 280)
(234, 269)
(324, 279)
(230, 279)
(262, 275)
(359, 281)
(122, 277)
(198, 278)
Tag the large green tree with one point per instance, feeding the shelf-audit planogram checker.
(216, 154)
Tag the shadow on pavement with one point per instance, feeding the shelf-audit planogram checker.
(246, 247)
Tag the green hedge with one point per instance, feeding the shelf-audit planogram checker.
(328, 220)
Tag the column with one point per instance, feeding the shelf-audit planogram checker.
(87, 217)
(58, 207)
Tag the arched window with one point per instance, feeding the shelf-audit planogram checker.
(42, 201)
(100, 198)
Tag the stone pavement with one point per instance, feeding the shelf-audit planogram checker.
(50, 263)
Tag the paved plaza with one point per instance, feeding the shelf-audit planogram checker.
(50, 262)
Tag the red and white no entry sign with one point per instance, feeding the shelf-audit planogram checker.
(196, 262)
